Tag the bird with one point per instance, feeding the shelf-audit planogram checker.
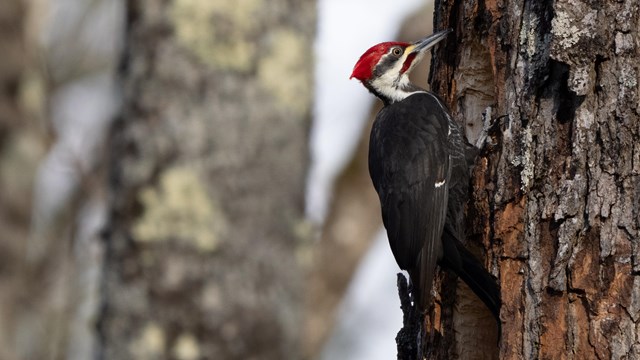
(419, 166)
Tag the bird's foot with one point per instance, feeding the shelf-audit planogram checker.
(488, 126)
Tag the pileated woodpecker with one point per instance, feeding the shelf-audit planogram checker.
(418, 167)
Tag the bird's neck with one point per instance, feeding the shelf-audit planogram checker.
(391, 91)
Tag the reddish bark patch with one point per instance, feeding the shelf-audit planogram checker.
(554, 327)
(586, 264)
(512, 283)
(509, 227)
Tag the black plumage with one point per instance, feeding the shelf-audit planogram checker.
(418, 167)
(419, 163)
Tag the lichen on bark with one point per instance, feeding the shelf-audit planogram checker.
(555, 193)
(207, 177)
(180, 208)
(219, 33)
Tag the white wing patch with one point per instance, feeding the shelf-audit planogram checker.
(440, 183)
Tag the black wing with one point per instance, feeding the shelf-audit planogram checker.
(410, 168)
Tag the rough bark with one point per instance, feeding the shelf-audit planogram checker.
(207, 171)
(555, 204)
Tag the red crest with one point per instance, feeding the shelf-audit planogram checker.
(364, 67)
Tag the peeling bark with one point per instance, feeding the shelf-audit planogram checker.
(555, 204)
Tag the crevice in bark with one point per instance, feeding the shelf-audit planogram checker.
(557, 200)
(566, 101)
(483, 20)
(536, 25)
(598, 72)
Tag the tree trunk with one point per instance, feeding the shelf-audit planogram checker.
(19, 155)
(208, 164)
(52, 88)
(556, 194)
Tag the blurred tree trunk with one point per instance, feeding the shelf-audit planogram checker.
(556, 199)
(14, 210)
(15, 190)
(48, 225)
(207, 177)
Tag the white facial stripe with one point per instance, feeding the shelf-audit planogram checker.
(391, 83)
(440, 183)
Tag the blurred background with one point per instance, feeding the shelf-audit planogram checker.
(187, 179)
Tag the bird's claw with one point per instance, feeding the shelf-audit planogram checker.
(488, 125)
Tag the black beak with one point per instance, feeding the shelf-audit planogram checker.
(428, 42)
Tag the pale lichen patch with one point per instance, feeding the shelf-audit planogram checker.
(180, 208)
(584, 120)
(150, 344)
(580, 80)
(186, 348)
(282, 71)
(211, 297)
(636, 159)
(526, 161)
(628, 76)
(218, 32)
(568, 30)
(24, 150)
(528, 35)
(624, 43)
(33, 94)
(634, 306)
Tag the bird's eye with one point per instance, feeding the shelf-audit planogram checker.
(396, 51)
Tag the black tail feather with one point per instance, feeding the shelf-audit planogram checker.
(470, 270)
(480, 281)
